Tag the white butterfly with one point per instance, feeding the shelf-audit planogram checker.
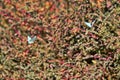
(31, 40)
(90, 24)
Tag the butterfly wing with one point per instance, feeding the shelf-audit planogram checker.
(88, 24)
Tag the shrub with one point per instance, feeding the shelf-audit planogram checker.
(65, 47)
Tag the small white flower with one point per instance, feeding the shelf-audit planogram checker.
(90, 24)
(31, 40)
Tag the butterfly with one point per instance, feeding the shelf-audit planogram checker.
(31, 40)
(90, 24)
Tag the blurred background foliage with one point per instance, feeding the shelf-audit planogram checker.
(65, 47)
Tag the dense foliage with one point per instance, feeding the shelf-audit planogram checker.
(65, 47)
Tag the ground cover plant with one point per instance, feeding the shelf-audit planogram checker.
(59, 39)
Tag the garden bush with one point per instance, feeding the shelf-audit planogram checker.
(73, 39)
